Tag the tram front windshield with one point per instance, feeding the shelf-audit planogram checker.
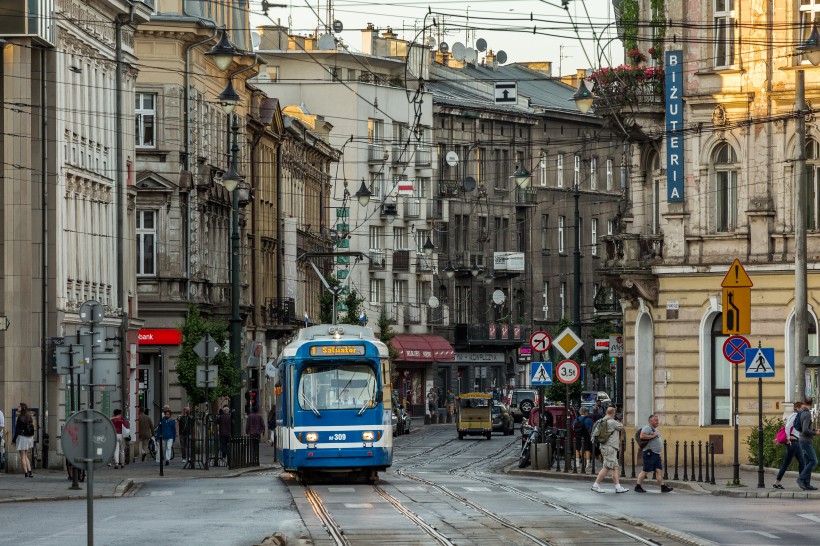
(337, 386)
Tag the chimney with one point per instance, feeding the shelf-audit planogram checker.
(388, 34)
(490, 57)
(369, 36)
(273, 37)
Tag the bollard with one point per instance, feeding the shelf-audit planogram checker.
(633, 457)
(677, 450)
(700, 461)
(665, 465)
(713, 463)
(692, 444)
(685, 463)
(622, 455)
(707, 462)
(426, 418)
(592, 459)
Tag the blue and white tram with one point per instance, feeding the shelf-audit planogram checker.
(333, 403)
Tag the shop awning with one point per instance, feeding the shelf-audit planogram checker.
(423, 348)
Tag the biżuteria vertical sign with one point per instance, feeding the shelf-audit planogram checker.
(674, 126)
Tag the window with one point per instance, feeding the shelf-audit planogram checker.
(146, 112)
(720, 376)
(593, 236)
(376, 237)
(375, 131)
(809, 15)
(399, 291)
(561, 225)
(376, 185)
(725, 188)
(724, 14)
(376, 291)
(146, 242)
(576, 174)
(559, 171)
(812, 183)
(421, 238)
(542, 169)
(608, 175)
(546, 296)
(342, 386)
(610, 227)
(563, 297)
(545, 236)
(399, 238)
(593, 173)
(595, 288)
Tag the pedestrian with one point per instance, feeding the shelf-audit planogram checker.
(121, 426)
(224, 424)
(272, 424)
(24, 437)
(581, 427)
(597, 412)
(793, 450)
(807, 433)
(255, 425)
(609, 452)
(450, 400)
(652, 463)
(185, 424)
(2, 441)
(144, 429)
(432, 401)
(167, 431)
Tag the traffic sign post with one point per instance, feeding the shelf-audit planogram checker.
(206, 377)
(540, 374)
(734, 349)
(737, 300)
(567, 372)
(760, 364)
(540, 341)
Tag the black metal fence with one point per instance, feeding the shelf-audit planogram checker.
(203, 446)
(243, 452)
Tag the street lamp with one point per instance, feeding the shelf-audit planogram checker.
(522, 177)
(474, 270)
(229, 98)
(450, 271)
(363, 195)
(223, 52)
(428, 247)
(811, 50)
(489, 278)
(583, 98)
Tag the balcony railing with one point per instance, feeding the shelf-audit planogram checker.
(435, 315)
(424, 263)
(449, 188)
(400, 154)
(435, 209)
(279, 311)
(424, 156)
(632, 251)
(375, 152)
(493, 333)
(376, 260)
(401, 260)
(412, 207)
(412, 314)
(525, 196)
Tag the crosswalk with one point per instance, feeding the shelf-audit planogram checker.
(206, 492)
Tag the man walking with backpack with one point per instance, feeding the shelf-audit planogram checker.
(802, 423)
(609, 436)
(581, 428)
(652, 455)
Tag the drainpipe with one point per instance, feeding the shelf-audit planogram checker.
(45, 242)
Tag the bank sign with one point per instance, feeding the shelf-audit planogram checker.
(674, 126)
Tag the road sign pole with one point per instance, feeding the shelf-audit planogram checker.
(760, 432)
(89, 470)
(567, 453)
(736, 464)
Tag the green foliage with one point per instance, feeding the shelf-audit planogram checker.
(557, 392)
(352, 300)
(194, 329)
(386, 334)
(773, 452)
(629, 22)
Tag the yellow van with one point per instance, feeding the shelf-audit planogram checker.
(475, 415)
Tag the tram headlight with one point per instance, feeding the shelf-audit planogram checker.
(368, 436)
(312, 437)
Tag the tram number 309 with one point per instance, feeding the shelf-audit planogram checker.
(337, 437)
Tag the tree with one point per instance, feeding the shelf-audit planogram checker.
(386, 334)
(351, 299)
(229, 380)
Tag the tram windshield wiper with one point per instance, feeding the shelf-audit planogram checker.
(310, 405)
(366, 404)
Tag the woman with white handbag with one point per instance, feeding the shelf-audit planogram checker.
(122, 427)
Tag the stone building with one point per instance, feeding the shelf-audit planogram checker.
(720, 188)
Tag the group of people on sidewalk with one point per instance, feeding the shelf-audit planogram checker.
(799, 438)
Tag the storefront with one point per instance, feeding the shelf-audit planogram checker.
(418, 369)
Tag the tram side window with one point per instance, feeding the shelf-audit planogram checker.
(346, 386)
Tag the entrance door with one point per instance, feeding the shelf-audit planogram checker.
(146, 383)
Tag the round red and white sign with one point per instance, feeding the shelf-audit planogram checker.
(540, 341)
(568, 371)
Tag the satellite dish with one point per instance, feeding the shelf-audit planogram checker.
(471, 55)
(469, 184)
(256, 39)
(326, 42)
(433, 302)
(444, 47)
(459, 51)
(337, 26)
(481, 44)
(501, 57)
(451, 158)
(430, 41)
(499, 297)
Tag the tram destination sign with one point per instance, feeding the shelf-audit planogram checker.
(337, 350)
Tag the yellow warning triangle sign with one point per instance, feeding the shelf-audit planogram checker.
(736, 277)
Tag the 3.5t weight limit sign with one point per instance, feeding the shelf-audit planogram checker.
(568, 371)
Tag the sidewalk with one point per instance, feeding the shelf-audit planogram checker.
(724, 475)
(110, 482)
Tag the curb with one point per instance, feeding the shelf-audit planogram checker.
(686, 538)
(688, 486)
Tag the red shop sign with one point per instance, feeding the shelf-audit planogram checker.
(160, 336)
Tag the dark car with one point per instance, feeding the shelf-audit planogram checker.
(404, 420)
(502, 420)
(521, 402)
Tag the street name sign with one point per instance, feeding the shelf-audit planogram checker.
(760, 362)
(540, 376)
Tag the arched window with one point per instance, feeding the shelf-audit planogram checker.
(654, 185)
(812, 182)
(725, 188)
(720, 376)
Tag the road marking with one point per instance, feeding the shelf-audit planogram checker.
(161, 493)
(109, 518)
(477, 489)
(811, 517)
(259, 491)
(567, 489)
(413, 489)
(762, 533)
(358, 505)
(341, 490)
(213, 492)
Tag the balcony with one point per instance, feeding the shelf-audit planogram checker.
(493, 333)
(279, 311)
(424, 264)
(400, 153)
(435, 209)
(401, 260)
(627, 267)
(449, 188)
(412, 207)
(435, 315)
(376, 260)
(525, 196)
(424, 157)
(375, 152)
(412, 314)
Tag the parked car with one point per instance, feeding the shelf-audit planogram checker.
(502, 420)
(395, 421)
(588, 399)
(404, 421)
(521, 402)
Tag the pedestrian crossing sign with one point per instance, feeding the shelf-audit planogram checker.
(760, 362)
(541, 374)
